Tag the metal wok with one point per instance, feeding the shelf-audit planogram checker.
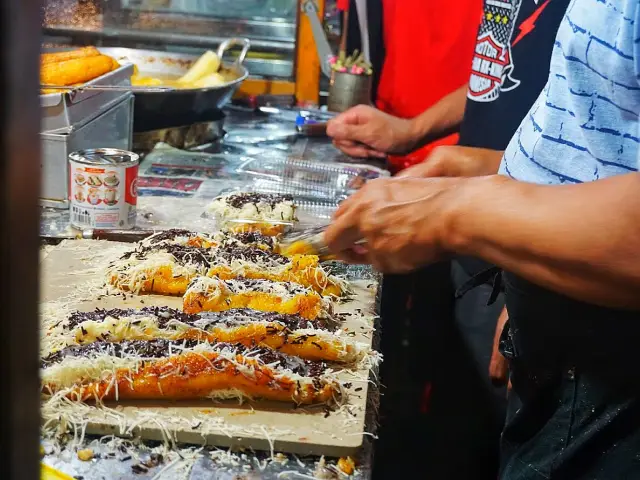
(179, 107)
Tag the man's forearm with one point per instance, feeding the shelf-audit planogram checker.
(580, 240)
(441, 119)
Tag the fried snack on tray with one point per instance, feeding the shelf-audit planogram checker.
(317, 339)
(268, 213)
(168, 268)
(76, 71)
(46, 58)
(187, 370)
(250, 262)
(212, 294)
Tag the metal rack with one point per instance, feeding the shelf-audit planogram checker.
(283, 58)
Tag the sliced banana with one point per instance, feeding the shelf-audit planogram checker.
(207, 64)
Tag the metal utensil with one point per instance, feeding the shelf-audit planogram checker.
(347, 90)
(310, 9)
(128, 236)
(155, 110)
(108, 88)
(363, 21)
(309, 242)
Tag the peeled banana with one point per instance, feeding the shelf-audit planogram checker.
(208, 81)
(207, 64)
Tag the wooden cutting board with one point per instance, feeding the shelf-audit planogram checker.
(71, 279)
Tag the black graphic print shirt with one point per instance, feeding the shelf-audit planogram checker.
(509, 69)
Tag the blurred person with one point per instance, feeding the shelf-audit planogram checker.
(420, 52)
(509, 68)
(562, 219)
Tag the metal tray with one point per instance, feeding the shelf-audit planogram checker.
(111, 127)
(64, 110)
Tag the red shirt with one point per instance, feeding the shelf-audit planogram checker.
(428, 50)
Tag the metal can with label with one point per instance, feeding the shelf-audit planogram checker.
(103, 188)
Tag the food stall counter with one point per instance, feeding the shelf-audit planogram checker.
(174, 187)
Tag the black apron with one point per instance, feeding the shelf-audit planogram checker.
(574, 409)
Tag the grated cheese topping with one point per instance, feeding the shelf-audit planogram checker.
(254, 206)
(134, 268)
(151, 323)
(189, 238)
(214, 287)
(81, 364)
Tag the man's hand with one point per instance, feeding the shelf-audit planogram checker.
(455, 161)
(363, 131)
(402, 220)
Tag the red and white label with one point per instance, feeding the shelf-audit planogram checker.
(103, 198)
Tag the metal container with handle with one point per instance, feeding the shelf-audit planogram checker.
(180, 103)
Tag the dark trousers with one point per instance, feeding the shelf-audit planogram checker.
(574, 411)
(446, 344)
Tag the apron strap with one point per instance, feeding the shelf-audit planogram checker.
(492, 274)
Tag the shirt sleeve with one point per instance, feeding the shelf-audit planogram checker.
(636, 60)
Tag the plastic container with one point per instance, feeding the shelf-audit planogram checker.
(309, 181)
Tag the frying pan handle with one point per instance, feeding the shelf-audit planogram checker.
(232, 42)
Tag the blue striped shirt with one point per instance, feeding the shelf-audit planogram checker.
(584, 124)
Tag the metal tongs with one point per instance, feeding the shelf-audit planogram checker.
(309, 242)
(109, 88)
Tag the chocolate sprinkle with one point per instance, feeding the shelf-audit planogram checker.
(252, 238)
(241, 199)
(204, 257)
(183, 254)
(170, 235)
(164, 315)
(204, 320)
(250, 253)
(138, 469)
(156, 349)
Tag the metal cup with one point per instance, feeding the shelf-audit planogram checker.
(347, 90)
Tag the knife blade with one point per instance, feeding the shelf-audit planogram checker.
(129, 236)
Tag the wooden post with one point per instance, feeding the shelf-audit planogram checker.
(307, 64)
(19, 219)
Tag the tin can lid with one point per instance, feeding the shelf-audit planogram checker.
(104, 156)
